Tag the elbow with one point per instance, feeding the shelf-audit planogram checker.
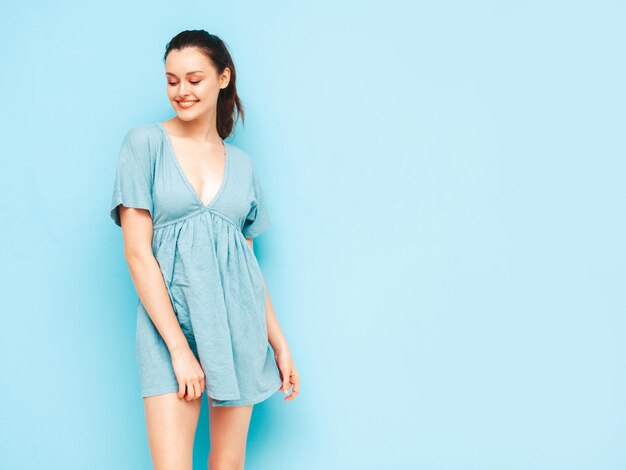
(137, 256)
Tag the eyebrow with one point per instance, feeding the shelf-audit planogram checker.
(188, 73)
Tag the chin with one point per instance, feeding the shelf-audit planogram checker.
(183, 116)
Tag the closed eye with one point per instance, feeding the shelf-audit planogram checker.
(193, 83)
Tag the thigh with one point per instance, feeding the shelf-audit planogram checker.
(229, 432)
(171, 424)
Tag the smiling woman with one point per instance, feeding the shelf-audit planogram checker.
(189, 205)
(199, 75)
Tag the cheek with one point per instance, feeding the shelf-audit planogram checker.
(207, 92)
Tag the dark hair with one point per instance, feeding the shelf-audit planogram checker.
(217, 52)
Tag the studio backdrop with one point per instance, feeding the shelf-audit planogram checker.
(446, 259)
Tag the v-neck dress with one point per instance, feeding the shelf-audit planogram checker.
(211, 274)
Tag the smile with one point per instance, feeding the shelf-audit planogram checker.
(187, 104)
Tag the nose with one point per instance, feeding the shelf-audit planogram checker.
(184, 90)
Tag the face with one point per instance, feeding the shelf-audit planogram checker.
(193, 83)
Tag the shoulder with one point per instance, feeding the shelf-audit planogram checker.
(241, 157)
(143, 141)
(143, 134)
(239, 153)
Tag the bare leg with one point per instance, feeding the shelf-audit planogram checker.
(171, 424)
(229, 432)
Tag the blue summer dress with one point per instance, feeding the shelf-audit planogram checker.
(211, 273)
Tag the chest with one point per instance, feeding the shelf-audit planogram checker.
(191, 182)
(202, 166)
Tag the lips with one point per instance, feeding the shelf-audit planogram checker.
(187, 104)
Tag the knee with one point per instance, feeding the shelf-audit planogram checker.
(225, 461)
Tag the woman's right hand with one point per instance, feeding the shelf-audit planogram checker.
(189, 374)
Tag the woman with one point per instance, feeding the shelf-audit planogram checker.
(189, 205)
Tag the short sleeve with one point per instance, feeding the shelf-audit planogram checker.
(258, 220)
(133, 178)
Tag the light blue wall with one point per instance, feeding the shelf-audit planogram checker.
(446, 183)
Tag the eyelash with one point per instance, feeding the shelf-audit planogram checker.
(193, 83)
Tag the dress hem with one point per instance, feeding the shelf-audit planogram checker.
(174, 389)
(262, 397)
(237, 401)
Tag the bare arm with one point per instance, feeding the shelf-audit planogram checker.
(147, 277)
(150, 286)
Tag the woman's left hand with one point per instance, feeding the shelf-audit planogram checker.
(288, 372)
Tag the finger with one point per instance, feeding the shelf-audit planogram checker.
(196, 389)
(181, 389)
(200, 383)
(190, 391)
(296, 386)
